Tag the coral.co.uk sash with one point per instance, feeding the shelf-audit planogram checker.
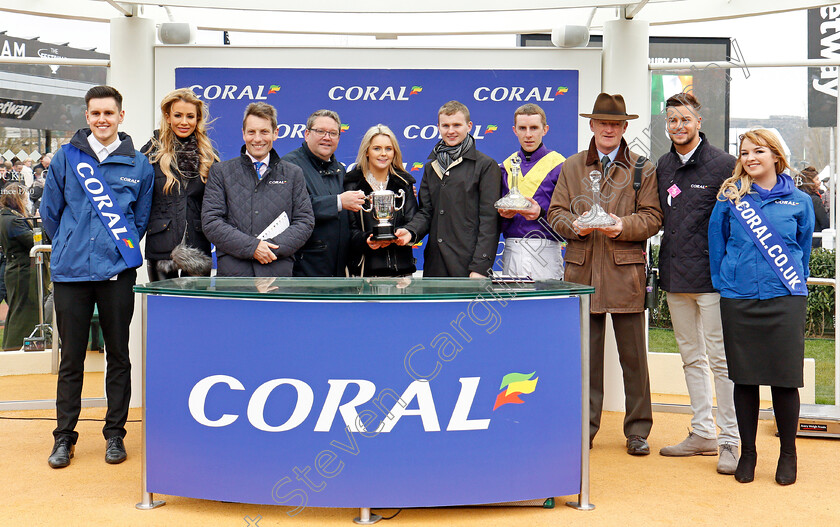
(770, 244)
(105, 204)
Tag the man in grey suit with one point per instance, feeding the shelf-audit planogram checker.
(256, 208)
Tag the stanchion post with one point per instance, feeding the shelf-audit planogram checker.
(366, 518)
(147, 500)
(583, 498)
(833, 216)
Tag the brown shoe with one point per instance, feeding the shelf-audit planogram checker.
(637, 446)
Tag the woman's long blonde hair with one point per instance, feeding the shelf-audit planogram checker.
(759, 137)
(164, 144)
(380, 129)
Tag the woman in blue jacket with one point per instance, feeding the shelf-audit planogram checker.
(759, 247)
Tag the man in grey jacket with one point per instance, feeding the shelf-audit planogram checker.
(256, 208)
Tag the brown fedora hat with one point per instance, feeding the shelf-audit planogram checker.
(609, 108)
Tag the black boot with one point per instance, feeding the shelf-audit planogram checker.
(746, 465)
(786, 469)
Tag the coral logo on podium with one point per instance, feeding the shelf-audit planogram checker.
(517, 384)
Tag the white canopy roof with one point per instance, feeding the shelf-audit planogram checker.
(386, 18)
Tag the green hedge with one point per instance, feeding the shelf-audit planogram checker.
(820, 315)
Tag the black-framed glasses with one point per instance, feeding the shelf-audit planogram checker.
(321, 133)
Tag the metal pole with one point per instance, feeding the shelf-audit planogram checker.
(832, 133)
(366, 518)
(39, 261)
(147, 499)
(724, 64)
(833, 202)
(583, 498)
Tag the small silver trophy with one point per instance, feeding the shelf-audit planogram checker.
(514, 200)
(597, 216)
(382, 206)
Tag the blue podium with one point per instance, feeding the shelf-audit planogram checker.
(365, 392)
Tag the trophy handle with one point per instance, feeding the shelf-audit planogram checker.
(370, 199)
(400, 194)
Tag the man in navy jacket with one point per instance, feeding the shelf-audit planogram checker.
(326, 251)
(690, 176)
(95, 254)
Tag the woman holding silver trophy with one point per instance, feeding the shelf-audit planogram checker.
(390, 204)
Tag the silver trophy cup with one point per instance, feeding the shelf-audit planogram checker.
(597, 216)
(382, 206)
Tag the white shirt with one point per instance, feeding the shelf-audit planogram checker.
(611, 155)
(684, 158)
(102, 151)
(264, 161)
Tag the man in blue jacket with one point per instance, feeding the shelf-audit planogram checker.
(95, 207)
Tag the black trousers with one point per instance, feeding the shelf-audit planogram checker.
(74, 302)
(632, 355)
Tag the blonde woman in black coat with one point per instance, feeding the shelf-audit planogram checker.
(181, 154)
(379, 167)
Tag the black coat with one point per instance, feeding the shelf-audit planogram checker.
(174, 214)
(393, 260)
(326, 252)
(684, 253)
(238, 206)
(21, 279)
(457, 212)
(821, 220)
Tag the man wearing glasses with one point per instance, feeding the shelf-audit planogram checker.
(325, 254)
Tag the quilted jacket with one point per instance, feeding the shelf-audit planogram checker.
(684, 254)
(238, 206)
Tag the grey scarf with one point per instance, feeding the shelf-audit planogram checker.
(446, 155)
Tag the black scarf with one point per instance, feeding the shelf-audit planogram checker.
(446, 155)
(186, 156)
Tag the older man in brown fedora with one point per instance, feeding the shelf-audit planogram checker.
(611, 258)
